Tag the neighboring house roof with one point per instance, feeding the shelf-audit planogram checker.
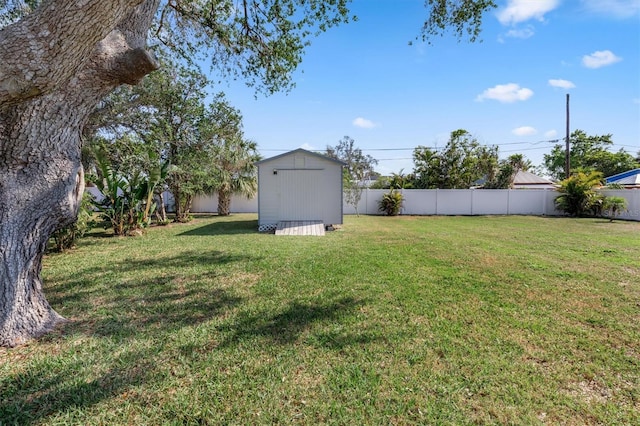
(523, 178)
(302, 151)
(628, 178)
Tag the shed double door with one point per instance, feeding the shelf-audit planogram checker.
(300, 194)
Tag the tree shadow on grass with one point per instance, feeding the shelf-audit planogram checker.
(151, 295)
(232, 227)
(136, 315)
(287, 326)
(49, 388)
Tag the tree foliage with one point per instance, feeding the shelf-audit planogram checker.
(260, 41)
(463, 18)
(127, 201)
(587, 154)
(391, 202)
(234, 170)
(167, 115)
(359, 166)
(578, 196)
(459, 165)
(613, 206)
(358, 169)
(196, 158)
(506, 171)
(12, 10)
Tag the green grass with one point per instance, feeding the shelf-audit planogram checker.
(389, 320)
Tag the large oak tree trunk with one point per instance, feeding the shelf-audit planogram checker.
(41, 183)
(57, 64)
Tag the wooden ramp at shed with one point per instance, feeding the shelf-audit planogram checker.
(300, 227)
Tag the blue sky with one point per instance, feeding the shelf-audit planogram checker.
(365, 81)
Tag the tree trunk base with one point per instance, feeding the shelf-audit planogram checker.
(16, 334)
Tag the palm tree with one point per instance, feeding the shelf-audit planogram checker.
(234, 170)
(614, 205)
(577, 193)
(519, 162)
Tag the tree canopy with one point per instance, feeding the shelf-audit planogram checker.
(358, 169)
(359, 166)
(461, 163)
(589, 154)
(167, 114)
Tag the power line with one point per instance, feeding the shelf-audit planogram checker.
(429, 147)
(439, 148)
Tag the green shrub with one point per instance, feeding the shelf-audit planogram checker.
(614, 206)
(578, 195)
(391, 203)
(127, 204)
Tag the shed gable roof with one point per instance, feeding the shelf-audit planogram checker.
(301, 151)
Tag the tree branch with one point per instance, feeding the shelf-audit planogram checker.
(47, 47)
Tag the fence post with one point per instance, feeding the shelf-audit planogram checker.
(473, 195)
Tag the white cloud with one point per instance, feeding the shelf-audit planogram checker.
(524, 10)
(562, 84)
(550, 134)
(364, 123)
(521, 33)
(601, 58)
(506, 93)
(616, 8)
(636, 100)
(524, 131)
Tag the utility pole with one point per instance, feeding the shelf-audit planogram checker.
(567, 161)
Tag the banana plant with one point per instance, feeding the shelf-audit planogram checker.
(112, 185)
(128, 200)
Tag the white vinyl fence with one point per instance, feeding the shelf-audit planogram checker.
(449, 202)
(453, 202)
(239, 204)
(633, 202)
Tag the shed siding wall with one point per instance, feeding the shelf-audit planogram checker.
(305, 187)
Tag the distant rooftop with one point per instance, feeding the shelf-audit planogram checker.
(528, 178)
(628, 178)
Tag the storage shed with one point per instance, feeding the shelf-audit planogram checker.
(299, 185)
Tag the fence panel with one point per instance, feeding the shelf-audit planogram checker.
(490, 201)
(420, 202)
(453, 202)
(633, 202)
(527, 201)
(239, 204)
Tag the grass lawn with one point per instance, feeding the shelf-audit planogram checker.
(389, 320)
